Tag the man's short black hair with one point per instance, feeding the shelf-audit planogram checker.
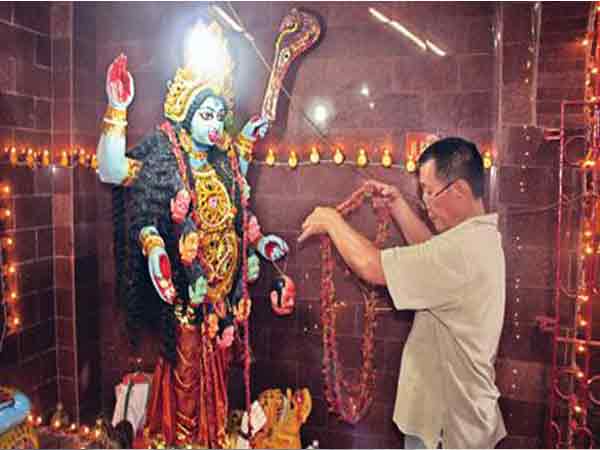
(456, 158)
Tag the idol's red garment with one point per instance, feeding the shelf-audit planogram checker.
(188, 404)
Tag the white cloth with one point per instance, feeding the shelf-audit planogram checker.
(456, 283)
(136, 409)
(258, 420)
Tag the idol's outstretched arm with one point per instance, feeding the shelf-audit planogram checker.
(113, 166)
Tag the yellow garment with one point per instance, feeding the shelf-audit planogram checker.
(456, 283)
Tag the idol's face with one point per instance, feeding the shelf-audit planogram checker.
(208, 121)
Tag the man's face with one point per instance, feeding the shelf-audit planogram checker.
(438, 197)
(208, 121)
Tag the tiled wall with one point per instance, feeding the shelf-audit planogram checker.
(562, 61)
(28, 358)
(527, 187)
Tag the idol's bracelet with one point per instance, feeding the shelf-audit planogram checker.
(150, 239)
(114, 122)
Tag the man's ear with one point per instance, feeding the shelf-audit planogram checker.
(463, 189)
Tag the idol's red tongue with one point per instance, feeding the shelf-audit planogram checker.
(213, 136)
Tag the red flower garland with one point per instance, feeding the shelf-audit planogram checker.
(348, 401)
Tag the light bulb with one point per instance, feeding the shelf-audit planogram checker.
(314, 155)
(487, 160)
(362, 160)
(270, 159)
(293, 160)
(338, 156)
(386, 158)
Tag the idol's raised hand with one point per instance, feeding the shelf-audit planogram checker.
(119, 84)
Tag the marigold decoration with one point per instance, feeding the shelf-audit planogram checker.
(348, 401)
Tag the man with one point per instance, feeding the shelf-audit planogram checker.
(455, 281)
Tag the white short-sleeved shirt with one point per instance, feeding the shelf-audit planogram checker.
(456, 283)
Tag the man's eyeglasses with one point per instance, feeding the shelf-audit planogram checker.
(428, 198)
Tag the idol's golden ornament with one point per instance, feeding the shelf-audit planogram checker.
(211, 325)
(188, 247)
(133, 170)
(186, 143)
(245, 147)
(242, 310)
(218, 242)
(114, 122)
(149, 241)
(187, 83)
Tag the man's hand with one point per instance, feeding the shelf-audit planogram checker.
(318, 222)
(388, 192)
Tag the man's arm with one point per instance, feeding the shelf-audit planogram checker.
(357, 251)
(414, 229)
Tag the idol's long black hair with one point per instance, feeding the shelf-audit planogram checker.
(147, 203)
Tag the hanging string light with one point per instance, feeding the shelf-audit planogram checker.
(37, 158)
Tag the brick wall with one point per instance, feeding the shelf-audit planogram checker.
(28, 359)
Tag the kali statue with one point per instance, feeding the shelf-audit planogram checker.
(186, 242)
